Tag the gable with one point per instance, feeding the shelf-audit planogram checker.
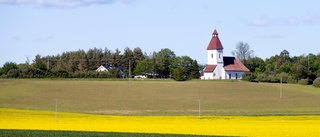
(233, 64)
(107, 66)
(209, 68)
(102, 68)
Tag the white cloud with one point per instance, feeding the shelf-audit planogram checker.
(290, 21)
(62, 3)
(310, 18)
(269, 36)
(307, 19)
(262, 21)
(44, 39)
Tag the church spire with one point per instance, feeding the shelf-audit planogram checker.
(215, 43)
(215, 33)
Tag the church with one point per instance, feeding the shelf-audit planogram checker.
(219, 66)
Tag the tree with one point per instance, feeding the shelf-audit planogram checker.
(184, 62)
(179, 74)
(195, 70)
(242, 52)
(299, 69)
(163, 61)
(7, 67)
(143, 67)
(316, 82)
(253, 63)
(39, 63)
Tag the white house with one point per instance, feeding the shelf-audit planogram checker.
(219, 66)
(104, 68)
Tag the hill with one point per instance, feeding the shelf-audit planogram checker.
(159, 97)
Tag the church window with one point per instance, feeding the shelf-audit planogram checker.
(219, 56)
(211, 55)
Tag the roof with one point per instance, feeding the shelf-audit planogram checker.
(215, 43)
(233, 64)
(215, 32)
(209, 68)
(107, 66)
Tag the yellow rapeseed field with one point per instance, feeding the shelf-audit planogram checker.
(208, 125)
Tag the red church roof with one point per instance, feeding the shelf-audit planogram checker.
(209, 68)
(215, 43)
(233, 64)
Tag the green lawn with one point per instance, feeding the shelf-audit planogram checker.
(159, 97)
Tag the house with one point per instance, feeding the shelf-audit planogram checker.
(106, 67)
(219, 66)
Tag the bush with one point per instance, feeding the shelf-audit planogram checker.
(303, 82)
(179, 74)
(316, 82)
(248, 76)
(272, 79)
(262, 78)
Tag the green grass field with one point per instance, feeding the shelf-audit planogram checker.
(159, 97)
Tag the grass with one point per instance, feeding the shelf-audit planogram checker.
(51, 133)
(159, 97)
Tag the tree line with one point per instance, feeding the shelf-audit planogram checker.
(83, 64)
(303, 69)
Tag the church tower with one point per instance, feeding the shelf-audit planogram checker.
(215, 50)
(215, 56)
(218, 66)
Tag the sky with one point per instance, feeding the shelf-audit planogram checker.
(50, 27)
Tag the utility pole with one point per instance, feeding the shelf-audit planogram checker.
(129, 69)
(281, 87)
(308, 64)
(48, 63)
(56, 116)
(199, 100)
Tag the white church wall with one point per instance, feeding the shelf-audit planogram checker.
(233, 75)
(212, 60)
(223, 73)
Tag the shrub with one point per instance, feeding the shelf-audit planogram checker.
(303, 81)
(179, 74)
(284, 76)
(248, 76)
(316, 82)
(262, 78)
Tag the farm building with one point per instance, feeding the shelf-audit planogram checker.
(106, 67)
(219, 66)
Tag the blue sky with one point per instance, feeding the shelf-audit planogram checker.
(50, 27)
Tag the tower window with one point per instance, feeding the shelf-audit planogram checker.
(211, 55)
(219, 56)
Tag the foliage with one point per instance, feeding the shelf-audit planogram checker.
(179, 74)
(298, 69)
(316, 82)
(163, 62)
(248, 76)
(7, 67)
(243, 52)
(255, 63)
(194, 74)
(303, 82)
